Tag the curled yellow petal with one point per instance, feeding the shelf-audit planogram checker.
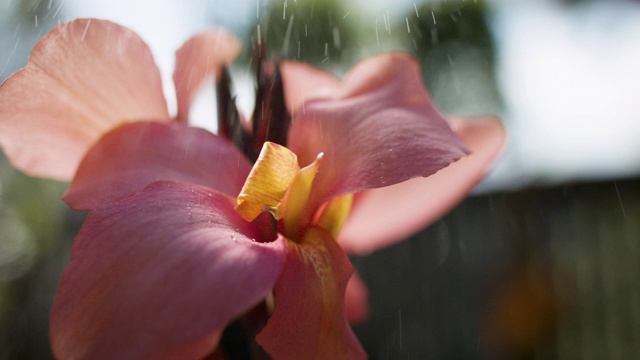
(268, 182)
(294, 204)
(335, 214)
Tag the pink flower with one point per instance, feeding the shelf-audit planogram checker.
(164, 262)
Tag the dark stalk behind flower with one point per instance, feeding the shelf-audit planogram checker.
(229, 121)
(270, 120)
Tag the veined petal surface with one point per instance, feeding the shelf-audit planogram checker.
(380, 129)
(160, 273)
(381, 217)
(83, 78)
(309, 320)
(132, 156)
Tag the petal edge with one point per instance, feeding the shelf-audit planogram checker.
(158, 272)
(309, 320)
(90, 76)
(381, 217)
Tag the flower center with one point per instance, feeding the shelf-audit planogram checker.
(278, 185)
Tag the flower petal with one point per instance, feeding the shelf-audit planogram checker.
(382, 129)
(132, 156)
(201, 56)
(296, 198)
(356, 300)
(268, 182)
(381, 217)
(333, 216)
(83, 78)
(303, 82)
(161, 272)
(309, 318)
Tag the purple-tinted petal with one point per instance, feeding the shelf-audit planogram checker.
(160, 272)
(381, 129)
(309, 319)
(381, 217)
(134, 155)
(83, 78)
(201, 56)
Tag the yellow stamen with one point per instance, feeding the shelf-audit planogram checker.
(277, 185)
(268, 182)
(335, 214)
(297, 197)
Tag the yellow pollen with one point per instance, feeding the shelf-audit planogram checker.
(267, 182)
(277, 185)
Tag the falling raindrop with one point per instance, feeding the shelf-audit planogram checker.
(84, 33)
(284, 10)
(377, 37)
(287, 37)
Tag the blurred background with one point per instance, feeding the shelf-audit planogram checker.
(541, 262)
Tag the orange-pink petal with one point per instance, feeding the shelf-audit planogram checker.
(303, 82)
(381, 129)
(356, 300)
(83, 78)
(134, 155)
(160, 273)
(381, 217)
(201, 56)
(309, 319)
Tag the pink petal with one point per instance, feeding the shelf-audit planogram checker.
(161, 272)
(309, 320)
(303, 82)
(201, 56)
(135, 155)
(381, 217)
(382, 129)
(356, 300)
(83, 78)
(195, 349)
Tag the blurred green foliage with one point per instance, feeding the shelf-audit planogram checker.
(312, 31)
(453, 41)
(34, 239)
